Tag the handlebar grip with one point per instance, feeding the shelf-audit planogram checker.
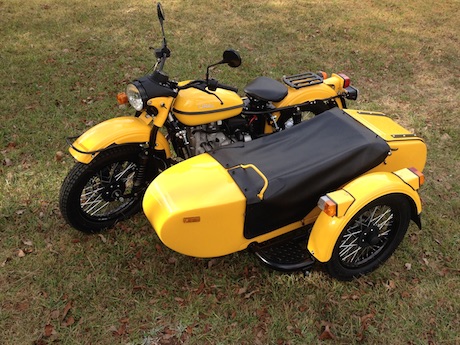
(227, 87)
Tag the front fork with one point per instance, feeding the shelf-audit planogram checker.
(146, 160)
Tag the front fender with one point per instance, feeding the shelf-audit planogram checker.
(362, 190)
(116, 131)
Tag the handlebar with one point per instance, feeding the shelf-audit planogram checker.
(212, 85)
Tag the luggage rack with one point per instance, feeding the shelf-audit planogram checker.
(298, 81)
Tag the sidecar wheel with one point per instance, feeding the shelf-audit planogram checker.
(370, 237)
(95, 196)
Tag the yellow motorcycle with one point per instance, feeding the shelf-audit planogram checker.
(339, 189)
(118, 158)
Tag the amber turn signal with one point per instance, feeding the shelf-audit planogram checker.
(421, 177)
(328, 206)
(122, 98)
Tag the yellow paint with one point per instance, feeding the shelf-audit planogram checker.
(404, 146)
(409, 177)
(163, 105)
(208, 193)
(194, 107)
(119, 130)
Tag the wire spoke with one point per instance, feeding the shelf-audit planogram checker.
(354, 249)
(91, 199)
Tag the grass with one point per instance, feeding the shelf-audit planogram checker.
(62, 64)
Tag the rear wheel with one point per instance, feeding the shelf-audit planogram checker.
(95, 196)
(370, 237)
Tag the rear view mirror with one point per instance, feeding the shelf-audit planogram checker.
(232, 58)
(160, 12)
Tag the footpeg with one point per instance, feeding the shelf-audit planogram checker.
(285, 253)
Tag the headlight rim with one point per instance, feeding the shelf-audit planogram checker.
(140, 91)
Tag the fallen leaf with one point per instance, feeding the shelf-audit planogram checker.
(326, 334)
(405, 294)
(248, 295)
(54, 315)
(21, 253)
(49, 330)
(66, 310)
(7, 162)
(11, 145)
(4, 262)
(364, 325)
(68, 322)
(172, 260)
(390, 285)
(122, 330)
(212, 263)
(22, 306)
(242, 290)
(366, 318)
(200, 288)
(59, 156)
(27, 243)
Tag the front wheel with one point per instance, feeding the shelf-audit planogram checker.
(95, 196)
(370, 237)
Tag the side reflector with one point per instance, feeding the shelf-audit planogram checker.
(346, 80)
(192, 219)
(122, 98)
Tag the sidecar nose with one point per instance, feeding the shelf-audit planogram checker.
(197, 209)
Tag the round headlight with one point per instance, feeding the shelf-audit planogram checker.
(134, 97)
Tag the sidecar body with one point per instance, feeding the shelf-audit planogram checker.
(293, 196)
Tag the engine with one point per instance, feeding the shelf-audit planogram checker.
(213, 135)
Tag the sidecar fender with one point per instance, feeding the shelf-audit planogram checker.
(116, 131)
(353, 197)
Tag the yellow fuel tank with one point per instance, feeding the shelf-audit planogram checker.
(195, 107)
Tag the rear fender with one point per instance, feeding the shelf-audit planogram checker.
(116, 131)
(354, 196)
(312, 93)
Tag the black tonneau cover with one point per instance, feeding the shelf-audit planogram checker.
(301, 164)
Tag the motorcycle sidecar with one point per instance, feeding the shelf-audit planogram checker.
(340, 188)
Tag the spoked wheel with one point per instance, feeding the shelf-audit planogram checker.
(95, 196)
(370, 237)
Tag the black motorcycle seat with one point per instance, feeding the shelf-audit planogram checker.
(301, 164)
(266, 89)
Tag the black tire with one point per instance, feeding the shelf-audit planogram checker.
(95, 196)
(370, 237)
